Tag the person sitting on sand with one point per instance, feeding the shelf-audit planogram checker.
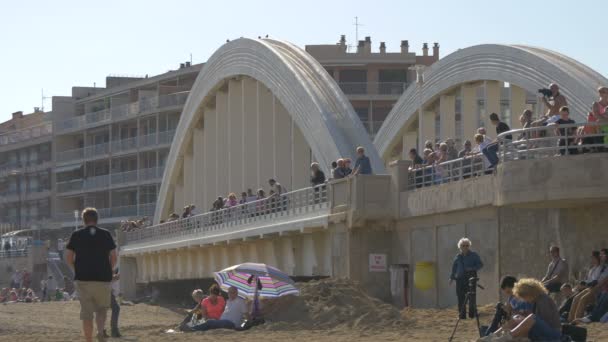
(4, 295)
(232, 315)
(512, 311)
(197, 297)
(212, 307)
(542, 325)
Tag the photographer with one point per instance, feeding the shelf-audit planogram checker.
(512, 311)
(465, 266)
(553, 100)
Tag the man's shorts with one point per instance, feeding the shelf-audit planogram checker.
(94, 296)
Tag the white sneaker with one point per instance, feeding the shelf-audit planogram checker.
(585, 320)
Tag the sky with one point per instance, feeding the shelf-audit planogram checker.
(54, 45)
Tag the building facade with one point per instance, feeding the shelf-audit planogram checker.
(373, 81)
(110, 144)
(25, 171)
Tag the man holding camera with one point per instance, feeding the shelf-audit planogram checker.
(553, 100)
(465, 266)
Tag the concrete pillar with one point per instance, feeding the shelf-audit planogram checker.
(447, 109)
(198, 151)
(237, 255)
(128, 276)
(518, 105)
(252, 251)
(180, 261)
(323, 253)
(209, 191)
(224, 261)
(223, 157)
(153, 267)
(202, 262)
(250, 133)
(265, 136)
(283, 145)
(143, 272)
(287, 257)
(492, 105)
(190, 255)
(161, 266)
(309, 257)
(178, 195)
(269, 253)
(469, 112)
(235, 133)
(170, 270)
(188, 174)
(410, 140)
(211, 262)
(427, 131)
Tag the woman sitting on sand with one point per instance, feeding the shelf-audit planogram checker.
(542, 325)
(212, 307)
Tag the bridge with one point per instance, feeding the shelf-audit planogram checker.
(264, 109)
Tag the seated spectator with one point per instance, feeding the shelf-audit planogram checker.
(212, 307)
(567, 133)
(600, 111)
(593, 274)
(553, 103)
(13, 297)
(590, 295)
(363, 165)
(340, 171)
(4, 294)
(557, 271)
(525, 119)
(232, 316)
(348, 166)
(317, 177)
(491, 150)
(599, 310)
(452, 152)
(231, 201)
(541, 325)
(511, 311)
(195, 314)
(568, 295)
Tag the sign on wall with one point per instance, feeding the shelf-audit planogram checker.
(377, 263)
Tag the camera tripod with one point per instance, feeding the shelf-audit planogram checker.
(471, 297)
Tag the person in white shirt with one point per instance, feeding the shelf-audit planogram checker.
(482, 142)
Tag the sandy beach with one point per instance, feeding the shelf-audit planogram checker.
(336, 311)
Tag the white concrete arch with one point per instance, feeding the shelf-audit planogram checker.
(529, 68)
(300, 85)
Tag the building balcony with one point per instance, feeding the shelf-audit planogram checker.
(70, 186)
(27, 134)
(124, 177)
(124, 145)
(96, 182)
(70, 155)
(97, 150)
(124, 111)
(114, 179)
(37, 194)
(378, 89)
(150, 174)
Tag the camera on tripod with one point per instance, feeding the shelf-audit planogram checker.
(546, 92)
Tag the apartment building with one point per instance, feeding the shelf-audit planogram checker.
(25, 171)
(110, 144)
(372, 80)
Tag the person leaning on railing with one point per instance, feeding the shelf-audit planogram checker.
(567, 133)
(600, 111)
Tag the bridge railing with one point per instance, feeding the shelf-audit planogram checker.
(13, 253)
(298, 202)
(529, 143)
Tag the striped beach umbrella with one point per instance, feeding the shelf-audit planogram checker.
(275, 283)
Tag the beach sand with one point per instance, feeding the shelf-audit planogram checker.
(331, 310)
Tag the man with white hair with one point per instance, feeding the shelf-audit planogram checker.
(465, 266)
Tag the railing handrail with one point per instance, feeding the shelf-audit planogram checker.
(523, 145)
(282, 204)
(45, 128)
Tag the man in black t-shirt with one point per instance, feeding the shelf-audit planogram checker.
(91, 252)
(564, 119)
(491, 151)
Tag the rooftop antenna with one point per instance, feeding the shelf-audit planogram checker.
(357, 24)
(42, 98)
(190, 58)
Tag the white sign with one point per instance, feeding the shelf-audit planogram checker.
(377, 262)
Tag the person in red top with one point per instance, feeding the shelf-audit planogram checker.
(212, 307)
